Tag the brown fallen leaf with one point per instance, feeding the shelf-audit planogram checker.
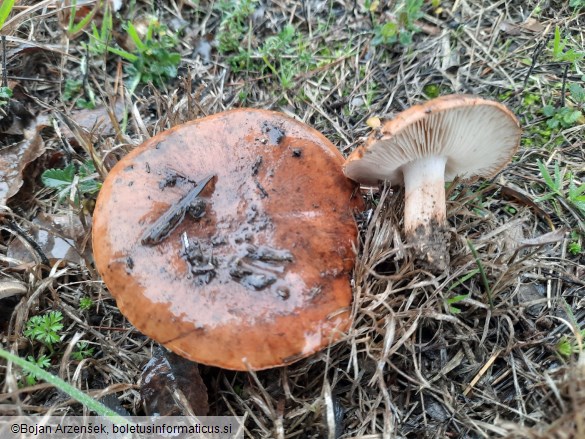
(14, 159)
(96, 121)
(165, 377)
(510, 28)
(531, 25)
(59, 237)
(547, 238)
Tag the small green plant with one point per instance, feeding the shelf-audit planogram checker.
(5, 96)
(539, 132)
(451, 301)
(153, 60)
(403, 28)
(274, 54)
(577, 4)
(282, 56)
(99, 38)
(45, 328)
(43, 362)
(564, 117)
(72, 91)
(568, 346)
(509, 209)
(577, 92)
(575, 247)
(234, 26)
(575, 195)
(63, 180)
(83, 351)
(561, 52)
(432, 91)
(569, 115)
(85, 303)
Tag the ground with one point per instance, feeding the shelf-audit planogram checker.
(491, 347)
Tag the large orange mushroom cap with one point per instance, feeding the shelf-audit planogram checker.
(261, 278)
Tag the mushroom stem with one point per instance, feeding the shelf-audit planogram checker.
(425, 209)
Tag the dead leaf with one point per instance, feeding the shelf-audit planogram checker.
(533, 25)
(547, 238)
(512, 235)
(59, 237)
(510, 28)
(533, 297)
(163, 377)
(14, 158)
(96, 121)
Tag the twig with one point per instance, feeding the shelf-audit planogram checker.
(564, 86)
(15, 227)
(537, 52)
(4, 74)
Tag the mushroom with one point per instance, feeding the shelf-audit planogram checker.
(229, 239)
(428, 144)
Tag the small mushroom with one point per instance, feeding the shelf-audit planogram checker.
(257, 275)
(428, 144)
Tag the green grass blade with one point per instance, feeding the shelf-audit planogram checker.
(484, 278)
(64, 386)
(76, 28)
(126, 55)
(547, 177)
(5, 9)
(557, 45)
(574, 190)
(72, 14)
(463, 279)
(133, 33)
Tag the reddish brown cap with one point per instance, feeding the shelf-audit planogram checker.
(260, 276)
